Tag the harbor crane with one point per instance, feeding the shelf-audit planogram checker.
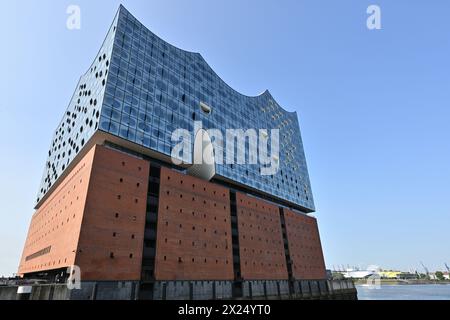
(426, 269)
(447, 267)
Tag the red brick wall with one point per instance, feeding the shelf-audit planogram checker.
(118, 185)
(78, 219)
(260, 239)
(194, 230)
(304, 246)
(56, 223)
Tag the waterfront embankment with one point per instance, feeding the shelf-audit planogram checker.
(401, 281)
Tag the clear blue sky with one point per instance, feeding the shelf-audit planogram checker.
(373, 106)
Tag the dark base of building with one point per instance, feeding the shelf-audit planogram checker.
(190, 290)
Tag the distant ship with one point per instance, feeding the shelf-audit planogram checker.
(358, 274)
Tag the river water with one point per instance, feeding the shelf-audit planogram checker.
(405, 292)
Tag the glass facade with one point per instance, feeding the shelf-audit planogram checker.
(140, 88)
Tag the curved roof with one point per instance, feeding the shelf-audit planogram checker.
(266, 92)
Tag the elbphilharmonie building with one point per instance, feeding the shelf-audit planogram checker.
(139, 225)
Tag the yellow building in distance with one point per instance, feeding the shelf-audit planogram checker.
(389, 274)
